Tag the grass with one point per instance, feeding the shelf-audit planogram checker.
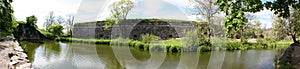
(175, 45)
(24, 47)
(46, 34)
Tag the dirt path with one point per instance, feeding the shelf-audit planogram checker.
(5, 49)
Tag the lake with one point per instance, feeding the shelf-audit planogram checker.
(61, 55)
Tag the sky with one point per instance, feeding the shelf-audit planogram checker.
(92, 10)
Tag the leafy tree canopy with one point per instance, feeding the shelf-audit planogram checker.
(56, 29)
(31, 20)
(6, 18)
(121, 8)
(282, 7)
(235, 10)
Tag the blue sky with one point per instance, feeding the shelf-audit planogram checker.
(91, 10)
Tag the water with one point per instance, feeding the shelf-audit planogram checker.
(58, 55)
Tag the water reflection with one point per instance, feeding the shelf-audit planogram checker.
(89, 56)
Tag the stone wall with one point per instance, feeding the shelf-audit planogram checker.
(133, 29)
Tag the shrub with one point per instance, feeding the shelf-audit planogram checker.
(147, 38)
(233, 45)
(204, 48)
(56, 29)
(174, 49)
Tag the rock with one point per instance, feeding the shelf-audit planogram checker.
(14, 58)
(13, 63)
(23, 55)
(252, 41)
(10, 55)
(19, 49)
(9, 38)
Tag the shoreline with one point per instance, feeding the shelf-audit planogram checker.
(175, 47)
(13, 56)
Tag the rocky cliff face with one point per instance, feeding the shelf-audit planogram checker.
(27, 32)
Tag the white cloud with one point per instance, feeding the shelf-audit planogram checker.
(40, 8)
(264, 17)
(89, 10)
(151, 9)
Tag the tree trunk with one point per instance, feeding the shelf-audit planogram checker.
(241, 37)
(294, 38)
(208, 34)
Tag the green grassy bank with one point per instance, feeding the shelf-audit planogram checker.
(175, 45)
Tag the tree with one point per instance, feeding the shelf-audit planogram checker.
(293, 24)
(109, 22)
(234, 10)
(278, 27)
(60, 20)
(56, 29)
(7, 23)
(289, 10)
(250, 33)
(282, 7)
(258, 30)
(289, 26)
(70, 22)
(207, 9)
(235, 19)
(50, 20)
(31, 20)
(121, 9)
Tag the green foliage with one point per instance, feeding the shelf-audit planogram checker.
(235, 19)
(234, 45)
(172, 42)
(69, 33)
(147, 38)
(56, 29)
(109, 22)
(21, 22)
(204, 48)
(7, 23)
(290, 26)
(46, 34)
(121, 8)
(31, 20)
(190, 41)
(174, 49)
(174, 45)
(282, 7)
(278, 28)
(202, 30)
(24, 47)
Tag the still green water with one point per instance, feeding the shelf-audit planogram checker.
(59, 55)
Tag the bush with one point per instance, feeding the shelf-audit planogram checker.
(147, 38)
(174, 49)
(56, 29)
(233, 45)
(204, 48)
